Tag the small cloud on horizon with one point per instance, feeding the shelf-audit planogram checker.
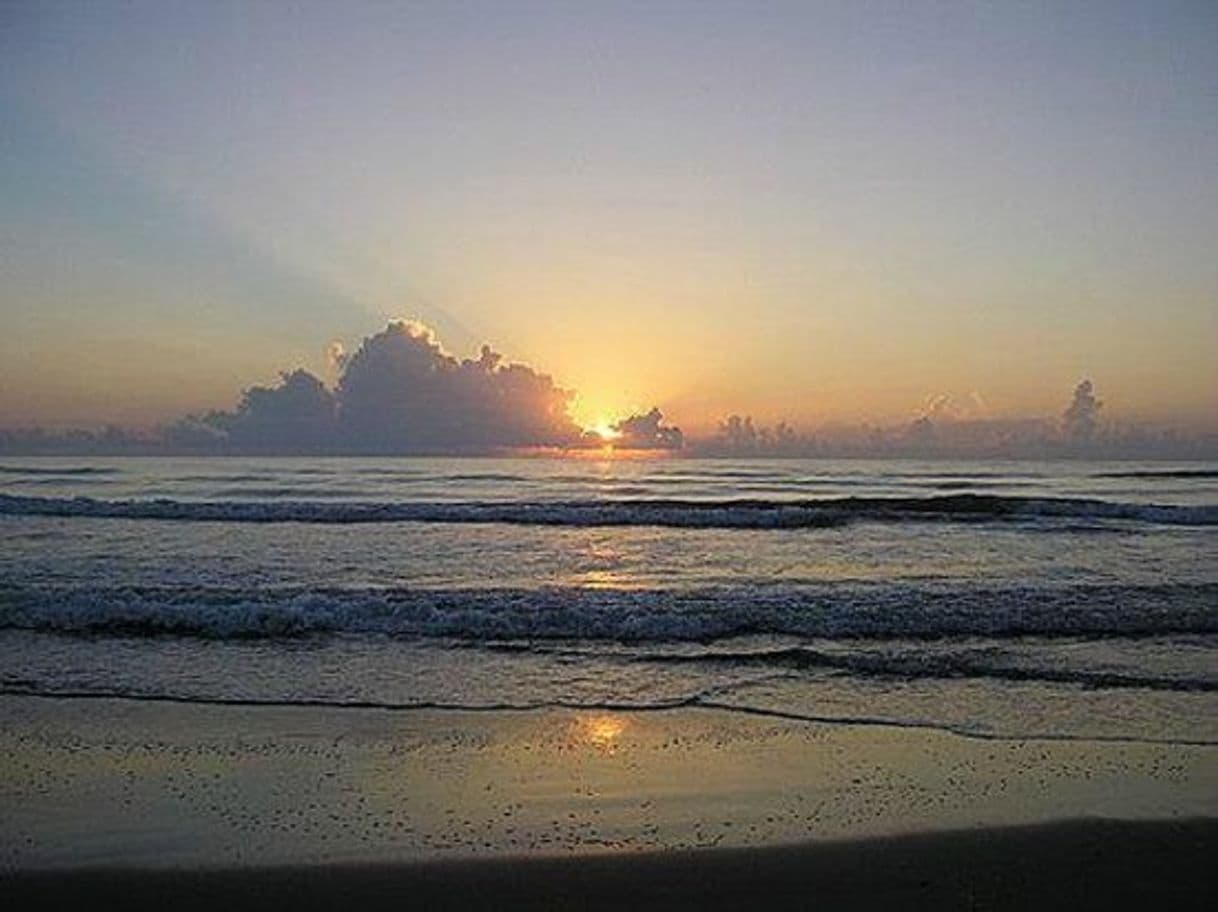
(1080, 418)
(946, 407)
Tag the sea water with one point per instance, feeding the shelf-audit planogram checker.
(996, 599)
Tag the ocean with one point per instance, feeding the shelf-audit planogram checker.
(999, 600)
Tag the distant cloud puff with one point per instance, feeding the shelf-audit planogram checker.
(1080, 418)
(737, 435)
(946, 407)
(648, 432)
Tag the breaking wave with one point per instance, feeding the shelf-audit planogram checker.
(577, 613)
(705, 514)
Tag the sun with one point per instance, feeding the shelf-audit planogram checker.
(604, 429)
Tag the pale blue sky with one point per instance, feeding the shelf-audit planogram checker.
(820, 211)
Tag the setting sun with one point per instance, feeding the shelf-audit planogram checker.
(605, 430)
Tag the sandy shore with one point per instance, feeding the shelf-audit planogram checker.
(134, 801)
(1075, 865)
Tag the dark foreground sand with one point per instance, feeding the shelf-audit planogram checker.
(1073, 865)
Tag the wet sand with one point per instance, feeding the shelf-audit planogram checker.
(128, 802)
(1074, 865)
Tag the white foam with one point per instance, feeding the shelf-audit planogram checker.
(726, 514)
(575, 613)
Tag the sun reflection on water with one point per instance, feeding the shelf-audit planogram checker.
(601, 731)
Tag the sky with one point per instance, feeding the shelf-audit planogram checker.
(818, 212)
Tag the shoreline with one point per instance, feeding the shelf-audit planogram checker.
(1076, 864)
(693, 705)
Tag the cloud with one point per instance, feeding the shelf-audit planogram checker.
(648, 432)
(1079, 420)
(951, 428)
(946, 407)
(336, 357)
(738, 436)
(400, 391)
(298, 415)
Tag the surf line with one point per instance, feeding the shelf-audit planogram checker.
(694, 702)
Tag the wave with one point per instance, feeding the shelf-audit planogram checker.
(962, 474)
(914, 665)
(977, 731)
(973, 485)
(648, 615)
(700, 514)
(330, 493)
(1161, 473)
(57, 470)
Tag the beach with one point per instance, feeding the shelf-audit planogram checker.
(134, 803)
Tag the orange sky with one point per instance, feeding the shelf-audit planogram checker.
(817, 214)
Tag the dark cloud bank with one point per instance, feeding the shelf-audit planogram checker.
(401, 393)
